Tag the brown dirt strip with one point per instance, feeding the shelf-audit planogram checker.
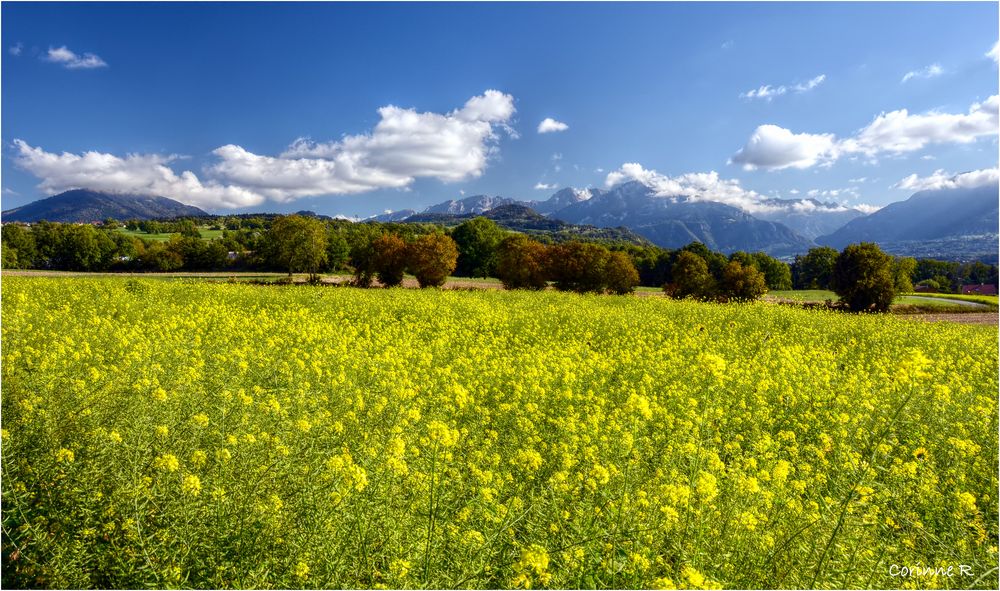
(981, 318)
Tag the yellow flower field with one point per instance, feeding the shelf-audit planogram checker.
(182, 434)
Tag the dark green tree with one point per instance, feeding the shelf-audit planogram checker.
(742, 283)
(620, 275)
(864, 278)
(477, 240)
(815, 269)
(903, 269)
(298, 244)
(690, 277)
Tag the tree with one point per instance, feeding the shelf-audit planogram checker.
(337, 250)
(521, 263)
(298, 243)
(477, 240)
(390, 259)
(742, 283)
(777, 275)
(815, 269)
(431, 258)
(620, 275)
(18, 247)
(864, 278)
(578, 266)
(690, 278)
(903, 269)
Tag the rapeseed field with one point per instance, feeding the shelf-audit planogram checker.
(181, 434)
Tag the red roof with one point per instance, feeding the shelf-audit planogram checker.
(981, 289)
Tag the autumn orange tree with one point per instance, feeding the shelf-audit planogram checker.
(389, 253)
(521, 263)
(431, 258)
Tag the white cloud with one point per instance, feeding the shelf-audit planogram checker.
(775, 148)
(708, 186)
(929, 72)
(899, 131)
(994, 53)
(866, 208)
(550, 125)
(945, 180)
(858, 180)
(17, 48)
(726, 44)
(545, 186)
(138, 173)
(768, 92)
(68, 59)
(403, 146)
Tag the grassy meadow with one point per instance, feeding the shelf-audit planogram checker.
(193, 434)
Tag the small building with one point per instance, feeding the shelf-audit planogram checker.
(980, 289)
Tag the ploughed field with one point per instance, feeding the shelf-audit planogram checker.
(165, 434)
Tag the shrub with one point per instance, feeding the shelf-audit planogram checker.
(431, 258)
(578, 266)
(690, 278)
(620, 275)
(742, 283)
(389, 253)
(521, 263)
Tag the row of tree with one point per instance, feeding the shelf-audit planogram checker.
(481, 248)
(815, 270)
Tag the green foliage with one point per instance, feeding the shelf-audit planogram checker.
(814, 270)
(431, 258)
(620, 275)
(338, 251)
(477, 240)
(864, 278)
(298, 244)
(690, 278)
(742, 283)
(903, 270)
(522, 263)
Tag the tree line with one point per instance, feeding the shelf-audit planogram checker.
(476, 248)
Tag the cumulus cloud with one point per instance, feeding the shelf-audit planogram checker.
(994, 53)
(68, 59)
(945, 180)
(899, 131)
(135, 173)
(17, 48)
(866, 208)
(768, 92)
(929, 72)
(774, 148)
(403, 146)
(545, 186)
(550, 125)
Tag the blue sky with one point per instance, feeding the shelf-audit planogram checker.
(205, 102)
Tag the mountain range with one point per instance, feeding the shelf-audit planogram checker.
(85, 206)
